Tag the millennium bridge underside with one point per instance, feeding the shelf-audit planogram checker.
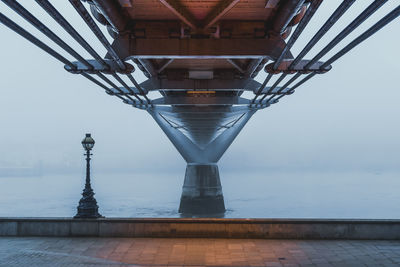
(202, 58)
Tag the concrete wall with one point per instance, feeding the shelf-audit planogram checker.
(216, 228)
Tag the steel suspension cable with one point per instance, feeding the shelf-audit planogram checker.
(79, 7)
(364, 15)
(336, 15)
(45, 30)
(19, 30)
(104, 78)
(53, 12)
(126, 86)
(25, 34)
(368, 33)
(299, 29)
(18, 8)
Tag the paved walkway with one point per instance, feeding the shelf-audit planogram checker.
(17, 251)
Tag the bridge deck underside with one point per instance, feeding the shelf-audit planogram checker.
(202, 124)
(243, 10)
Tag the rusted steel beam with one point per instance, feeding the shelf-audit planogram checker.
(184, 84)
(199, 48)
(152, 29)
(181, 12)
(220, 10)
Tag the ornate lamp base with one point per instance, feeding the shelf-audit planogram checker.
(88, 213)
(87, 207)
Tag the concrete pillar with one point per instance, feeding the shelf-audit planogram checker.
(202, 191)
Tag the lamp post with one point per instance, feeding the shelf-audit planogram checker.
(87, 207)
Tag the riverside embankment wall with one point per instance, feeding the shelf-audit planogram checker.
(203, 228)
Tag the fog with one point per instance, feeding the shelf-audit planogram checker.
(346, 119)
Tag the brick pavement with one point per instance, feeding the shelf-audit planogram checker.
(41, 251)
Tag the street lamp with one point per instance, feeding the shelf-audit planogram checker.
(87, 207)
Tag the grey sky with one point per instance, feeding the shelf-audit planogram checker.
(345, 119)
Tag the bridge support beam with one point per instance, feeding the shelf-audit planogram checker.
(202, 191)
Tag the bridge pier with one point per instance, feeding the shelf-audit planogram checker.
(201, 134)
(202, 190)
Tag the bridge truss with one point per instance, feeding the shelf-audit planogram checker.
(201, 56)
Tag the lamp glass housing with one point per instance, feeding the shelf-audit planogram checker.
(88, 142)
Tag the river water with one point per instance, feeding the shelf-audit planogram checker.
(247, 194)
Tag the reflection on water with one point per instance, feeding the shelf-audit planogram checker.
(247, 194)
